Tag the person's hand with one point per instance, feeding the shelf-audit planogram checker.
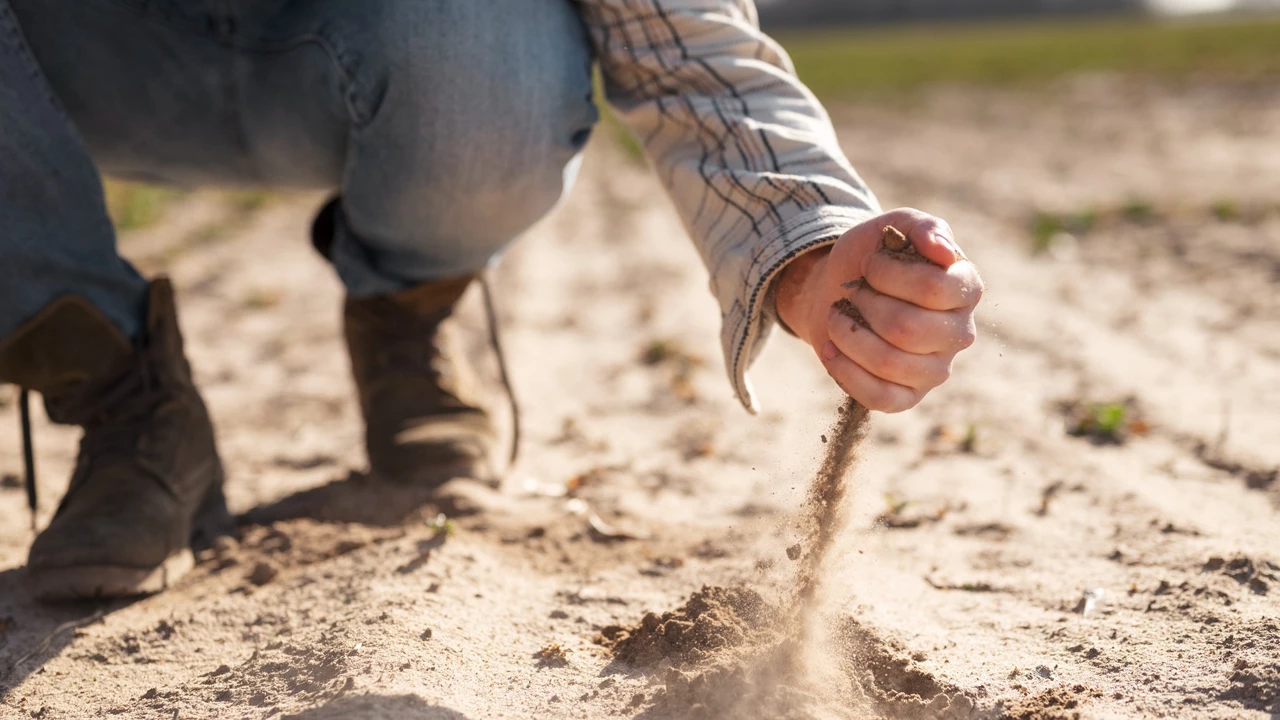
(918, 315)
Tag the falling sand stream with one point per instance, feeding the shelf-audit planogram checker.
(730, 652)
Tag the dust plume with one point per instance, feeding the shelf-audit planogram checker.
(729, 652)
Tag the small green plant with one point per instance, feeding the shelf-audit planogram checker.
(441, 525)
(1226, 210)
(1044, 228)
(659, 351)
(894, 506)
(1138, 211)
(244, 202)
(1105, 422)
(1047, 226)
(1108, 418)
(680, 362)
(262, 298)
(1082, 221)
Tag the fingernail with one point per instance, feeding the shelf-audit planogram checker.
(829, 351)
(943, 239)
(856, 285)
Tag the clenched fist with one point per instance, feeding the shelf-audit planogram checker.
(915, 316)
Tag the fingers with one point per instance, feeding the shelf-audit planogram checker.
(922, 372)
(915, 315)
(924, 284)
(947, 282)
(931, 236)
(864, 387)
(908, 327)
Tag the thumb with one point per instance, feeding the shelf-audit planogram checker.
(932, 239)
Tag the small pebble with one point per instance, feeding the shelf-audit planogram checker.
(263, 573)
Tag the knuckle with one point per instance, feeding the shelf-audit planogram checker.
(898, 330)
(888, 398)
(936, 287)
(971, 289)
(878, 402)
(940, 372)
(943, 376)
(896, 404)
(911, 399)
(894, 366)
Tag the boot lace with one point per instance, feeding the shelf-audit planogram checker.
(115, 417)
(495, 340)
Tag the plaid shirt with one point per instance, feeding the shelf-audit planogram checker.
(745, 150)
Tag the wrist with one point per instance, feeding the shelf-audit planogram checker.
(791, 291)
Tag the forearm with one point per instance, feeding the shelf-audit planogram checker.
(747, 154)
(792, 291)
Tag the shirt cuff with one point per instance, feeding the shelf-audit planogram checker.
(749, 320)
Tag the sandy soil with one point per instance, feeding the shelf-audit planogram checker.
(995, 565)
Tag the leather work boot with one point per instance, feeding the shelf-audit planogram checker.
(424, 422)
(147, 479)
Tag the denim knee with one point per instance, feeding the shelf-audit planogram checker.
(469, 122)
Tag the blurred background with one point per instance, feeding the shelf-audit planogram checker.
(841, 46)
(776, 13)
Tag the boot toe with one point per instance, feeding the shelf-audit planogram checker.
(108, 548)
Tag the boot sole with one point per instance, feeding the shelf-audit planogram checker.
(108, 581)
(84, 582)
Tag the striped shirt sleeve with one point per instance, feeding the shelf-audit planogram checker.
(745, 151)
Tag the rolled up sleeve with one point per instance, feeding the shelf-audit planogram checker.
(745, 151)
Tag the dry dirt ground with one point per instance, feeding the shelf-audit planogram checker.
(995, 564)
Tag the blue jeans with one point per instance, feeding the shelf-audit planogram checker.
(447, 127)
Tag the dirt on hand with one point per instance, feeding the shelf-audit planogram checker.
(895, 244)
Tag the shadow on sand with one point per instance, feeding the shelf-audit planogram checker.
(378, 707)
(31, 633)
(359, 498)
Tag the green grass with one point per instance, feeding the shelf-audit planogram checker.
(133, 206)
(836, 63)
(1045, 226)
(612, 125)
(1227, 210)
(1138, 211)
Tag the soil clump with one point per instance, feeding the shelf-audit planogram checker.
(713, 618)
